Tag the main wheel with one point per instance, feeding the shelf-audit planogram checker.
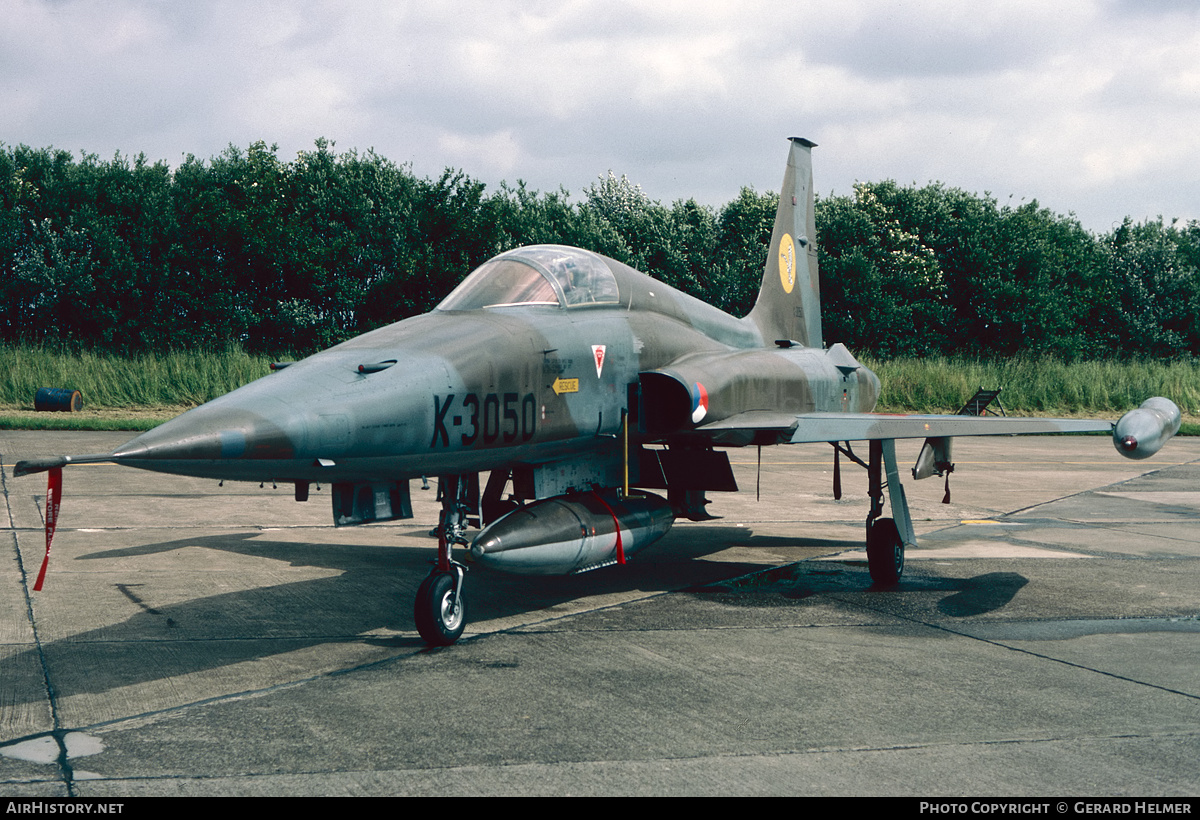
(440, 619)
(885, 552)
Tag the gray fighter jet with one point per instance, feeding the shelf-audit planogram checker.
(576, 384)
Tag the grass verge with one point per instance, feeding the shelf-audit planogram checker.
(140, 392)
(135, 419)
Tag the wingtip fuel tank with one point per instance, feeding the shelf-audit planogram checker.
(1142, 432)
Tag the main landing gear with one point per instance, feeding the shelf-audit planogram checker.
(885, 552)
(886, 537)
(440, 610)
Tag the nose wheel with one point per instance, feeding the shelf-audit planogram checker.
(440, 609)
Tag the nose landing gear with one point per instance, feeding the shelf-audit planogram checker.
(440, 610)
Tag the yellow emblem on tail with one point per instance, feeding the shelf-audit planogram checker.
(787, 263)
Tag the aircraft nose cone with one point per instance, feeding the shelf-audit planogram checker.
(211, 433)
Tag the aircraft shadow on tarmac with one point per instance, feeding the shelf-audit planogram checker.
(371, 591)
(982, 594)
(373, 587)
(969, 597)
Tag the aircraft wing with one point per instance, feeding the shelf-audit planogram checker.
(814, 427)
(805, 428)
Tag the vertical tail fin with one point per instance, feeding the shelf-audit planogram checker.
(789, 303)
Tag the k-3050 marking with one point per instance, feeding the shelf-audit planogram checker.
(484, 418)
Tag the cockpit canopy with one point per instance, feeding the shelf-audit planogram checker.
(538, 275)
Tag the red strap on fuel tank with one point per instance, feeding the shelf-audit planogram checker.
(617, 524)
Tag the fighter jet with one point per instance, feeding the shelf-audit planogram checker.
(578, 386)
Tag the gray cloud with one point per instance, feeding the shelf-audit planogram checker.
(1091, 106)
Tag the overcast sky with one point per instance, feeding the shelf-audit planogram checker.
(1089, 106)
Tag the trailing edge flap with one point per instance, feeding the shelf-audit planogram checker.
(815, 427)
(753, 421)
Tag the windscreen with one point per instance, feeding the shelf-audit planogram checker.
(502, 282)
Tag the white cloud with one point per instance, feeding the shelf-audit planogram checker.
(1087, 105)
(496, 153)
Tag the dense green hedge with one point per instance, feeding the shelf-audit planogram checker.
(249, 251)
